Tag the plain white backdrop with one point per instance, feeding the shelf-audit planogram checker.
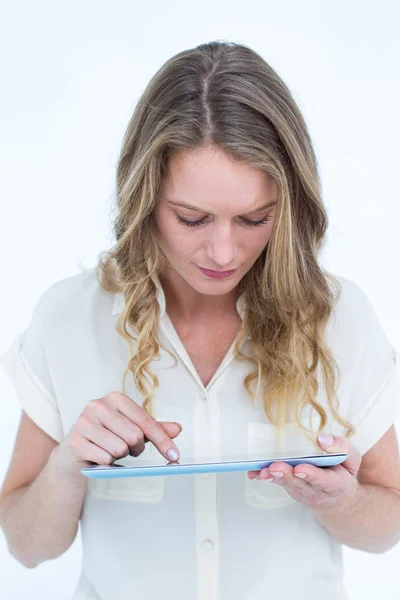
(71, 74)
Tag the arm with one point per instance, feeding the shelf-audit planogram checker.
(367, 520)
(40, 516)
(358, 502)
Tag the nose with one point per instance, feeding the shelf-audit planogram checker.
(221, 248)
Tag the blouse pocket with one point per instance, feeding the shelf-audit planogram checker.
(263, 441)
(147, 489)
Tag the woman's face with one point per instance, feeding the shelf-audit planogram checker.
(228, 225)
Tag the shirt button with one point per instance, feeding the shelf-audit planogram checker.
(203, 396)
(206, 475)
(207, 545)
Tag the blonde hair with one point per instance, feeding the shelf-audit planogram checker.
(224, 95)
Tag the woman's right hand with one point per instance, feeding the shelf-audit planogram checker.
(113, 427)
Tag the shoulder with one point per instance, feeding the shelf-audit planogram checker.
(72, 299)
(352, 305)
(355, 323)
(351, 293)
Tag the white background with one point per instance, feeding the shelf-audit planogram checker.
(71, 74)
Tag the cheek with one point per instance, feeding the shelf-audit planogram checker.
(176, 239)
(180, 245)
(256, 241)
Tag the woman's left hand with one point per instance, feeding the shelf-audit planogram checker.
(321, 487)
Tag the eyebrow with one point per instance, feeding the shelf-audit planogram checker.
(268, 205)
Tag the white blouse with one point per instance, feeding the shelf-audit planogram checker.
(217, 536)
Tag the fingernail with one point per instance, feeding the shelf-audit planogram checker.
(276, 473)
(173, 454)
(301, 475)
(325, 439)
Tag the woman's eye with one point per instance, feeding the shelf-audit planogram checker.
(201, 221)
(189, 223)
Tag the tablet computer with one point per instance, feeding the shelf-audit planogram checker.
(158, 465)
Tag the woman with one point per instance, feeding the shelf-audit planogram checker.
(234, 339)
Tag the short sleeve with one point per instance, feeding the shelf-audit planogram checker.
(26, 364)
(375, 382)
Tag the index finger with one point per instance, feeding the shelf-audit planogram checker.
(148, 424)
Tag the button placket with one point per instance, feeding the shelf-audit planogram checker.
(206, 444)
(207, 544)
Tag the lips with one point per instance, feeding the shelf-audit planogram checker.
(216, 274)
(221, 272)
(214, 271)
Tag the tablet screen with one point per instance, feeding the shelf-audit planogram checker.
(159, 460)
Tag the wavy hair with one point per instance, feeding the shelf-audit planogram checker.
(224, 95)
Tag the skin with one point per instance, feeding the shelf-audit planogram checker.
(226, 191)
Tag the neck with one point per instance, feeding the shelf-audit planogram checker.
(181, 298)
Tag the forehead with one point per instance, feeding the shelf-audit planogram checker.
(209, 178)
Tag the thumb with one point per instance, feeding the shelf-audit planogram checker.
(333, 444)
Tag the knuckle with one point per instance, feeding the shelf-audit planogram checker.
(121, 449)
(99, 407)
(113, 396)
(86, 423)
(135, 438)
(103, 409)
(94, 404)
